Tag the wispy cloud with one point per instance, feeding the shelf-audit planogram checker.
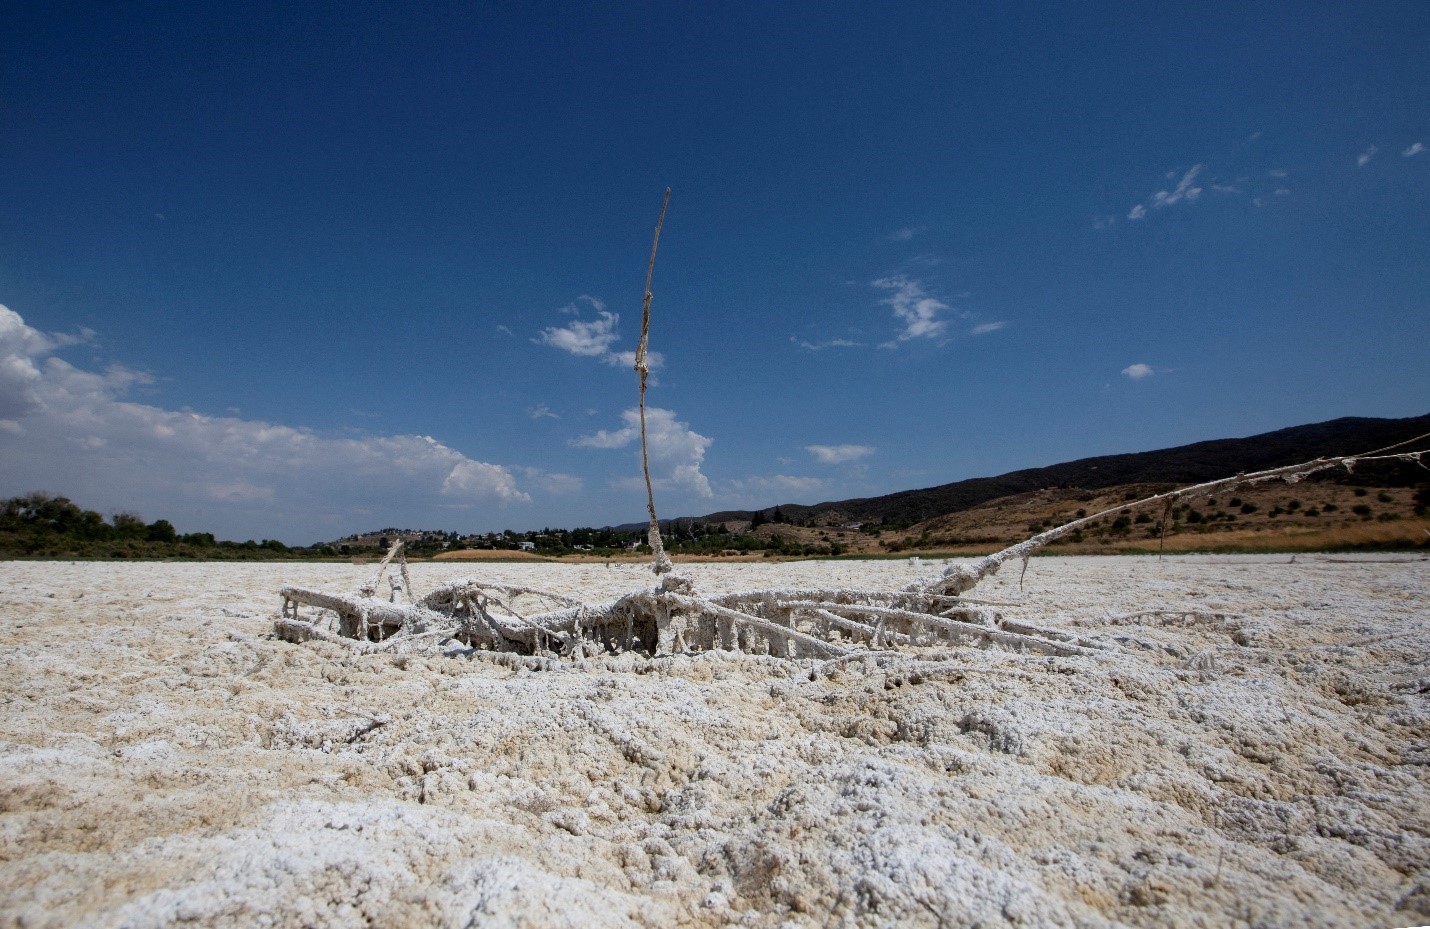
(593, 338)
(837, 454)
(905, 234)
(821, 346)
(915, 307)
(541, 411)
(1413, 150)
(985, 328)
(1138, 371)
(677, 450)
(1364, 157)
(76, 431)
(1186, 189)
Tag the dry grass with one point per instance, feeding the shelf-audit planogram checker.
(487, 554)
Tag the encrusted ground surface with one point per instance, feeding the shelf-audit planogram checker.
(165, 761)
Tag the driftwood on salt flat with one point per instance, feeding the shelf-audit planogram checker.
(671, 618)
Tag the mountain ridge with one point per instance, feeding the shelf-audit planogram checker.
(1182, 464)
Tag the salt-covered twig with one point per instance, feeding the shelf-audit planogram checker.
(661, 561)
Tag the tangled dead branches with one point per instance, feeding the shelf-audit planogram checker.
(672, 618)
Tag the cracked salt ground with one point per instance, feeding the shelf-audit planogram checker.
(1255, 753)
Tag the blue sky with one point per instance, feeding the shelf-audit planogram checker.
(303, 270)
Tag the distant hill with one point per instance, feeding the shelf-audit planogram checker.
(1185, 464)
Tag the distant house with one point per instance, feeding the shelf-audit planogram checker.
(527, 546)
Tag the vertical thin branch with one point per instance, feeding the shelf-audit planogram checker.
(642, 367)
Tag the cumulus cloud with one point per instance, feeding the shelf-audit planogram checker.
(1138, 371)
(541, 411)
(676, 450)
(835, 454)
(912, 304)
(470, 478)
(1414, 150)
(1137, 212)
(76, 432)
(985, 328)
(593, 338)
(1364, 157)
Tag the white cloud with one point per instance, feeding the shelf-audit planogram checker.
(74, 431)
(470, 478)
(1103, 222)
(1413, 150)
(1278, 173)
(821, 346)
(835, 454)
(985, 328)
(1364, 157)
(905, 234)
(1138, 371)
(541, 411)
(915, 307)
(1185, 190)
(588, 339)
(593, 338)
(676, 450)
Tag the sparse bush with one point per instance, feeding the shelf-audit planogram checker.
(1361, 510)
(1361, 491)
(1248, 508)
(1329, 508)
(1384, 497)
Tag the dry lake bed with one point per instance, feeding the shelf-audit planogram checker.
(1258, 756)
